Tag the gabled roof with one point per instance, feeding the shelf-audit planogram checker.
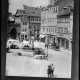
(20, 12)
(33, 11)
(66, 3)
(64, 12)
(55, 4)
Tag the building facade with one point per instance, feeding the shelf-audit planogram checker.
(13, 29)
(49, 23)
(65, 24)
(63, 30)
(22, 19)
(30, 21)
(57, 22)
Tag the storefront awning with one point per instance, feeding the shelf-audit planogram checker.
(42, 36)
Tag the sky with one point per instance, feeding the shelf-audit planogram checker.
(18, 4)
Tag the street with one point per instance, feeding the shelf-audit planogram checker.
(26, 65)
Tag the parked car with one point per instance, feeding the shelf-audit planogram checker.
(40, 57)
(13, 46)
(38, 51)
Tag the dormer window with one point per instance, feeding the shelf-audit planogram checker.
(64, 8)
(33, 13)
(71, 6)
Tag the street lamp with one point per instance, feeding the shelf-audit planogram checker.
(46, 34)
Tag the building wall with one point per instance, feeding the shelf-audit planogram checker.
(17, 19)
(63, 31)
(34, 25)
(71, 23)
(25, 29)
(43, 22)
(49, 22)
(71, 30)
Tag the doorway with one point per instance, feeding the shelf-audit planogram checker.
(13, 33)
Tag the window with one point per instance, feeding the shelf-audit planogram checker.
(34, 27)
(56, 9)
(66, 30)
(43, 29)
(50, 10)
(31, 19)
(18, 34)
(25, 23)
(22, 30)
(58, 30)
(39, 19)
(61, 30)
(53, 30)
(25, 30)
(49, 29)
(35, 19)
(30, 32)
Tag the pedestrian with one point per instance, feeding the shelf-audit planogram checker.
(52, 71)
(49, 71)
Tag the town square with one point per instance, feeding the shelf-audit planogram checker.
(38, 37)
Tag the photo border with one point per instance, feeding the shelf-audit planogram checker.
(75, 46)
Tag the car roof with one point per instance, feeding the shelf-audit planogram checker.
(38, 55)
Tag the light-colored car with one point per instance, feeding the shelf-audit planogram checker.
(10, 41)
(40, 57)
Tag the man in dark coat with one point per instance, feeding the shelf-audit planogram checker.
(52, 67)
(49, 71)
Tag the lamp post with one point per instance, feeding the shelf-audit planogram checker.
(46, 34)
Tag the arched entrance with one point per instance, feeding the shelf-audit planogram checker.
(13, 33)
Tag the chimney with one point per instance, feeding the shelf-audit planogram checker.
(24, 7)
(52, 2)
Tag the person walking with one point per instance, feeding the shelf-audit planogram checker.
(49, 71)
(52, 70)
